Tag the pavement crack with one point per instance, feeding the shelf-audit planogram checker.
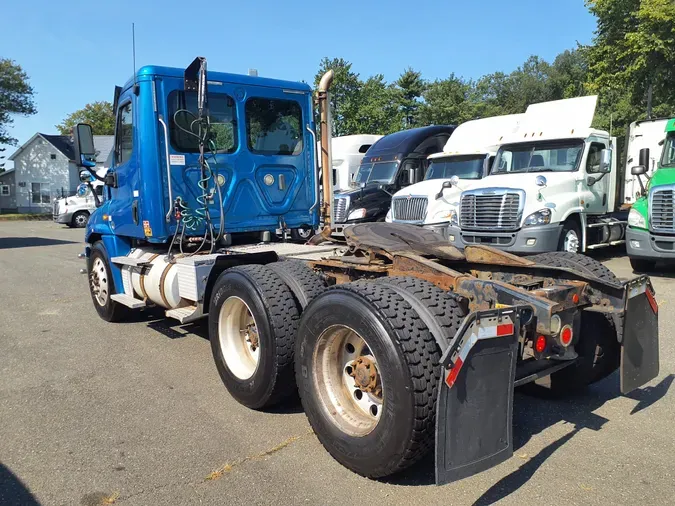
(227, 467)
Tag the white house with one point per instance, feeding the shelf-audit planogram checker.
(43, 170)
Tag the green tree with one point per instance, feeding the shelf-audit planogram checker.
(410, 87)
(99, 115)
(344, 94)
(16, 97)
(448, 102)
(377, 108)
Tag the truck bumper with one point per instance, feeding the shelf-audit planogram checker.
(525, 241)
(643, 244)
(64, 218)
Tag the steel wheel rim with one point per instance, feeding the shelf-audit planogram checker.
(80, 219)
(353, 409)
(238, 338)
(571, 244)
(98, 279)
(305, 233)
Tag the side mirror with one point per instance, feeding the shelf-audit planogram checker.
(446, 184)
(540, 181)
(644, 158)
(82, 189)
(83, 144)
(605, 161)
(638, 170)
(85, 176)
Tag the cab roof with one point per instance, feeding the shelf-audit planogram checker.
(150, 71)
(407, 141)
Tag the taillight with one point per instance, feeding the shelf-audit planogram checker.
(540, 344)
(566, 336)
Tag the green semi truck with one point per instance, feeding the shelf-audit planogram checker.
(651, 222)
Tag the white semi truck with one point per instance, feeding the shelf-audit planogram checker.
(642, 134)
(347, 152)
(465, 160)
(553, 186)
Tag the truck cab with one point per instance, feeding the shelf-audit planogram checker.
(651, 227)
(641, 134)
(466, 159)
(347, 152)
(553, 186)
(393, 162)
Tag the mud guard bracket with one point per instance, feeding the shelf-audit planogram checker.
(475, 396)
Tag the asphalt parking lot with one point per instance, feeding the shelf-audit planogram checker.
(135, 413)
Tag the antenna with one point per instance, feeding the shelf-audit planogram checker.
(611, 118)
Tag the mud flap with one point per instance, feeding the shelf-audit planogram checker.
(475, 397)
(640, 344)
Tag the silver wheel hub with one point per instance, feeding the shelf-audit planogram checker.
(238, 338)
(571, 243)
(80, 219)
(348, 380)
(98, 281)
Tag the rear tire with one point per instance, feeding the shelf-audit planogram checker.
(102, 285)
(302, 234)
(599, 348)
(303, 281)
(378, 442)
(642, 265)
(253, 320)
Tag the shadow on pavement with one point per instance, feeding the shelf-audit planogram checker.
(29, 242)
(13, 491)
(534, 414)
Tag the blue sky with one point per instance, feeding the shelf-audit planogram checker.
(76, 51)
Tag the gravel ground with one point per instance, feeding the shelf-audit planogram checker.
(135, 413)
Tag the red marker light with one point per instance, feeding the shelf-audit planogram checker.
(575, 299)
(454, 372)
(566, 335)
(540, 344)
(505, 329)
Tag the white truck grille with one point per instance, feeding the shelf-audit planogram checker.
(662, 209)
(493, 210)
(340, 205)
(409, 208)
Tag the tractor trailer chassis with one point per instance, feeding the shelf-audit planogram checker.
(519, 320)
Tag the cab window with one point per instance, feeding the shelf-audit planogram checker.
(185, 130)
(124, 145)
(274, 126)
(593, 160)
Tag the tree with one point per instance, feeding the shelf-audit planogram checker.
(99, 115)
(344, 94)
(16, 97)
(448, 102)
(377, 107)
(410, 87)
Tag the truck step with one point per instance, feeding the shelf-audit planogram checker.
(132, 262)
(128, 301)
(605, 244)
(185, 314)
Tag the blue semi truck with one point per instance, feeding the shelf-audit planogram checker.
(396, 341)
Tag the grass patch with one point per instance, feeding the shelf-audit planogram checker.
(26, 217)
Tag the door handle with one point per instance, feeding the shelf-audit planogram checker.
(282, 182)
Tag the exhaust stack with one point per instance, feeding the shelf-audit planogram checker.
(326, 162)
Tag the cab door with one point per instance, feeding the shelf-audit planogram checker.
(595, 195)
(124, 208)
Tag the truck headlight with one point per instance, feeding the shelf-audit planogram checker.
(635, 219)
(388, 217)
(357, 214)
(541, 217)
(449, 216)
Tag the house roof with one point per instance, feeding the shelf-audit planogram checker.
(64, 143)
(8, 171)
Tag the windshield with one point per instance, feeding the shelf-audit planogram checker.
(464, 167)
(545, 156)
(668, 158)
(381, 172)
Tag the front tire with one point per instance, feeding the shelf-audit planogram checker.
(570, 238)
(367, 372)
(80, 219)
(302, 234)
(253, 320)
(102, 285)
(642, 265)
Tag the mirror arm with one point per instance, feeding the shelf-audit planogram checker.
(642, 186)
(97, 201)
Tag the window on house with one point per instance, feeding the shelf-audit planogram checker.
(52, 156)
(274, 127)
(40, 193)
(124, 135)
(4, 190)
